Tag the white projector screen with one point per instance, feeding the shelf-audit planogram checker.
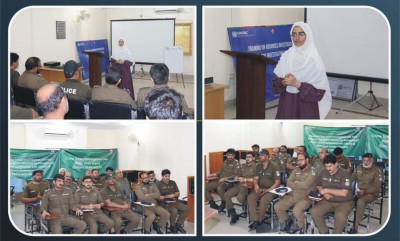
(147, 39)
(352, 41)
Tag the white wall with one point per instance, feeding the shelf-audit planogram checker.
(215, 36)
(33, 33)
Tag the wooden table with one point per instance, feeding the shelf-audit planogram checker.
(214, 101)
(55, 74)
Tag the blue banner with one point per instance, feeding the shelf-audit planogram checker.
(270, 41)
(92, 45)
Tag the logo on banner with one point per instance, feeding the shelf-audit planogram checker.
(239, 33)
(272, 30)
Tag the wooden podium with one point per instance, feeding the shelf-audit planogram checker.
(95, 67)
(250, 84)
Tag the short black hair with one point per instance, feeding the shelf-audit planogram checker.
(165, 171)
(159, 73)
(305, 148)
(31, 63)
(53, 102)
(255, 145)
(251, 153)
(150, 172)
(95, 170)
(36, 172)
(58, 176)
(163, 103)
(113, 75)
(284, 146)
(338, 151)
(306, 156)
(141, 174)
(109, 169)
(86, 177)
(329, 159)
(231, 151)
(14, 57)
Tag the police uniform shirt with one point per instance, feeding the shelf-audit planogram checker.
(368, 179)
(267, 176)
(293, 162)
(344, 163)
(302, 182)
(76, 90)
(246, 170)
(167, 188)
(83, 197)
(147, 192)
(111, 93)
(123, 183)
(117, 197)
(99, 184)
(340, 180)
(318, 164)
(14, 76)
(21, 113)
(31, 80)
(230, 168)
(31, 190)
(72, 187)
(58, 201)
(280, 162)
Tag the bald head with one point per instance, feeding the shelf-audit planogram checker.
(52, 101)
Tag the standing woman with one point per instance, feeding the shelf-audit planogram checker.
(301, 79)
(123, 59)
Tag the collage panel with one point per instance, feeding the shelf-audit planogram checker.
(110, 62)
(302, 62)
(102, 178)
(296, 178)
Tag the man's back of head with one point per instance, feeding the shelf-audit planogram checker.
(52, 102)
(113, 76)
(159, 74)
(32, 63)
(71, 69)
(163, 103)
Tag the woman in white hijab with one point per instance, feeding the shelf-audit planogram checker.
(301, 79)
(123, 59)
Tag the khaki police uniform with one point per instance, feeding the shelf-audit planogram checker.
(111, 93)
(83, 197)
(31, 80)
(369, 180)
(245, 171)
(76, 90)
(173, 208)
(143, 92)
(318, 164)
(266, 179)
(61, 202)
(14, 76)
(301, 182)
(293, 163)
(344, 163)
(341, 206)
(99, 184)
(229, 170)
(123, 183)
(118, 197)
(32, 190)
(72, 187)
(150, 193)
(21, 113)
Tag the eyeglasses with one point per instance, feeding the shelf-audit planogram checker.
(299, 34)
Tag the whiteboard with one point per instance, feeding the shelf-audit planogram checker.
(352, 41)
(174, 59)
(147, 39)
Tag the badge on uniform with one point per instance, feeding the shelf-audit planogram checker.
(277, 173)
(330, 179)
(347, 182)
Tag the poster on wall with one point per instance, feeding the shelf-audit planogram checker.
(95, 46)
(269, 41)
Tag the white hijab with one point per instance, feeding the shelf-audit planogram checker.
(122, 52)
(306, 65)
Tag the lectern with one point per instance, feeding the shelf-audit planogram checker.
(95, 67)
(250, 84)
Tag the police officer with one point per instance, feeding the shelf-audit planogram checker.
(280, 161)
(230, 169)
(97, 182)
(109, 170)
(301, 181)
(292, 164)
(368, 178)
(318, 161)
(122, 182)
(169, 189)
(115, 197)
(342, 160)
(245, 176)
(34, 191)
(69, 184)
(152, 176)
(334, 184)
(266, 178)
(80, 180)
(146, 191)
(90, 198)
(283, 152)
(256, 150)
(60, 201)
(73, 86)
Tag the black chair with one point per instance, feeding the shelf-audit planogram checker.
(24, 96)
(77, 109)
(109, 110)
(141, 114)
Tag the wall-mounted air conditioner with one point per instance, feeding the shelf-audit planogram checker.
(57, 132)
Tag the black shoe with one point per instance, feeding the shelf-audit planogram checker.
(179, 227)
(302, 231)
(253, 225)
(122, 231)
(173, 229)
(234, 216)
(213, 205)
(289, 223)
(221, 207)
(282, 226)
(352, 231)
(158, 229)
(146, 232)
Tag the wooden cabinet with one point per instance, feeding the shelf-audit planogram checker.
(190, 197)
(214, 101)
(216, 159)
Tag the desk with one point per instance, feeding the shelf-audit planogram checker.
(55, 75)
(214, 101)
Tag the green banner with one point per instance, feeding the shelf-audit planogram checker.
(77, 161)
(24, 162)
(355, 141)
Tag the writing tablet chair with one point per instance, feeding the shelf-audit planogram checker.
(109, 110)
(77, 109)
(24, 96)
